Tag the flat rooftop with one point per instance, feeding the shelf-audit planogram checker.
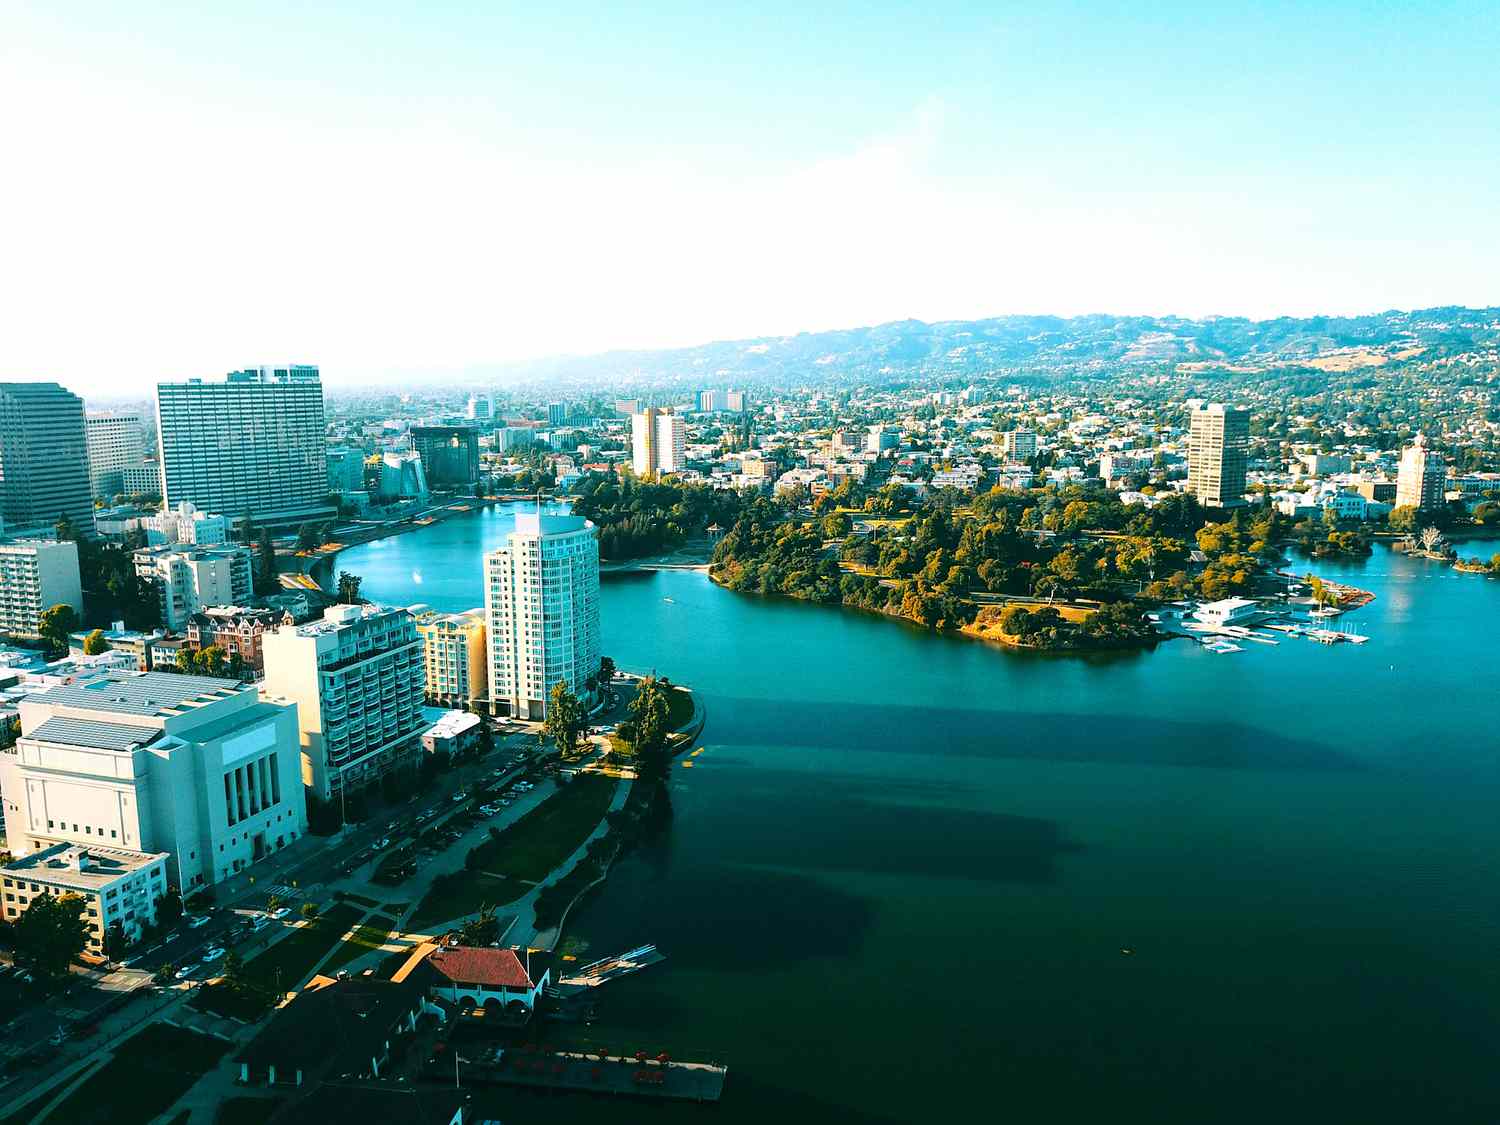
(80, 865)
(147, 694)
(93, 734)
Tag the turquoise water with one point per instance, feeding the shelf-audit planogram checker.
(901, 875)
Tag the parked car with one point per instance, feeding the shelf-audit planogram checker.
(280, 912)
(193, 921)
(187, 971)
(212, 953)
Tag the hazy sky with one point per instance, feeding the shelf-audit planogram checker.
(406, 190)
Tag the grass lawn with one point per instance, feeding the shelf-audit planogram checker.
(369, 935)
(679, 712)
(295, 956)
(247, 1003)
(526, 852)
(149, 1072)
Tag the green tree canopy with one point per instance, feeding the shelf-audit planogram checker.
(51, 934)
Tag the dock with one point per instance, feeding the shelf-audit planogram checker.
(640, 1075)
(605, 970)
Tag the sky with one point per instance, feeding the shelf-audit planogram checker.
(406, 192)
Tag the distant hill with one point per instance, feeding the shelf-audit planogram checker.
(1037, 344)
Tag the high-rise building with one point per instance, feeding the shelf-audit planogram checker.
(35, 575)
(44, 460)
(878, 439)
(481, 408)
(402, 476)
(1218, 444)
(735, 401)
(252, 444)
(1018, 445)
(541, 609)
(557, 414)
(200, 769)
(453, 658)
(115, 443)
(513, 437)
(712, 401)
(1422, 478)
(357, 679)
(191, 577)
(346, 469)
(450, 454)
(658, 440)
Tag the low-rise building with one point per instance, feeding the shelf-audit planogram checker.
(456, 731)
(235, 629)
(137, 646)
(118, 887)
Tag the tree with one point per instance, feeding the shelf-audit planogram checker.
(1403, 518)
(115, 943)
(164, 973)
(169, 908)
(51, 933)
(564, 721)
(94, 643)
(482, 929)
(309, 537)
(348, 589)
(266, 581)
(606, 670)
(310, 911)
(649, 710)
(234, 970)
(55, 625)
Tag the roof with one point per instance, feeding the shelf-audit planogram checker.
(360, 1103)
(60, 866)
(93, 734)
(466, 964)
(142, 693)
(333, 1030)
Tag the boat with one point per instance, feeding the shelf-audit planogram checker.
(1222, 646)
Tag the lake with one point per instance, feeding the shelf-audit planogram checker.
(915, 876)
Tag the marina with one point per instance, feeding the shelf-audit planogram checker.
(640, 1075)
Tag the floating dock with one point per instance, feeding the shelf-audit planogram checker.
(607, 969)
(641, 1076)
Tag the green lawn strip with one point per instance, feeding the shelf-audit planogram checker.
(247, 1002)
(531, 847)
(295, 956)
(464, 892)
(247, 1111)
(148, 1073)
(369, 935)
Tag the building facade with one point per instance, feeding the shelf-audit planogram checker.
(1218, 445)
(454, 665)
(541, 608)
(35, 575)
(450, 454)
(235, 629)
(251, 444)
(356, 677)
(1018, 445)
(185, 524)
(118, 887)
(1422, 478)
(189, 578)
(115, 442)
(200, 769)
(402, 476)
(658, 442)
(44, 459)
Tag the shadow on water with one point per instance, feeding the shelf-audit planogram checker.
(1106, 739)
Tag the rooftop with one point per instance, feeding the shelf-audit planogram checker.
(83, 867)
(465, 964)
(93, 734)
(151, 694)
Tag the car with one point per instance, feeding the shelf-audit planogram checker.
(460, 796)
(280, 912)
(383, 842)
(187, 971)
(212, 953)
(59, 1037)
(193, 921)
(259, 922)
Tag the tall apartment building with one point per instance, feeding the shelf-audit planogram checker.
(541, 611)
(356, 677)
(1422, 478)
(191, 577)
(454, 664)
(735, 401)
(712, 401)
(658, 441)
(1218, 444)
(115, 442)
(143, 479)
(878, 439)
(346, 469)
(118, 887)
(200, 769)
(1018, 445)
(35, 575)
(44, 460)
(251, 444)
(481, 408)
(557, 414)
(450, 454)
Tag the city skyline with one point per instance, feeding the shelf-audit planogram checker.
(572, 184)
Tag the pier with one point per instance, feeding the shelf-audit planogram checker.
(639, 1075)
(607, 969)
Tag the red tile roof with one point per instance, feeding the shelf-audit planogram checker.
(470, 965)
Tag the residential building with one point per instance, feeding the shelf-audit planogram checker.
(1422, 478)
(541, 608)
(450, 454)
(346, 469)
(513, 437)
(235, 629)
(119, 888)
(356, 677)
(115, 441)
(185, 524)
(658, 442)
(251, 445)
(712, 401)
(1323, 464)
(735, 401)
(481, 408)
(1115, 467)
(1018, 445)
(191, 577)
(137, 647)
(455, 732)
(35, 575)
(1218, 440)
(1382, 491)
(44, 461)
(878, 439)
(557, 414)
(141, 480)
(402, 476)
(453, 658)
(198, 768)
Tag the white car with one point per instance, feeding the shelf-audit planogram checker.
(280, 912)
(212, 953)
(194, 921)
(187, 971)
